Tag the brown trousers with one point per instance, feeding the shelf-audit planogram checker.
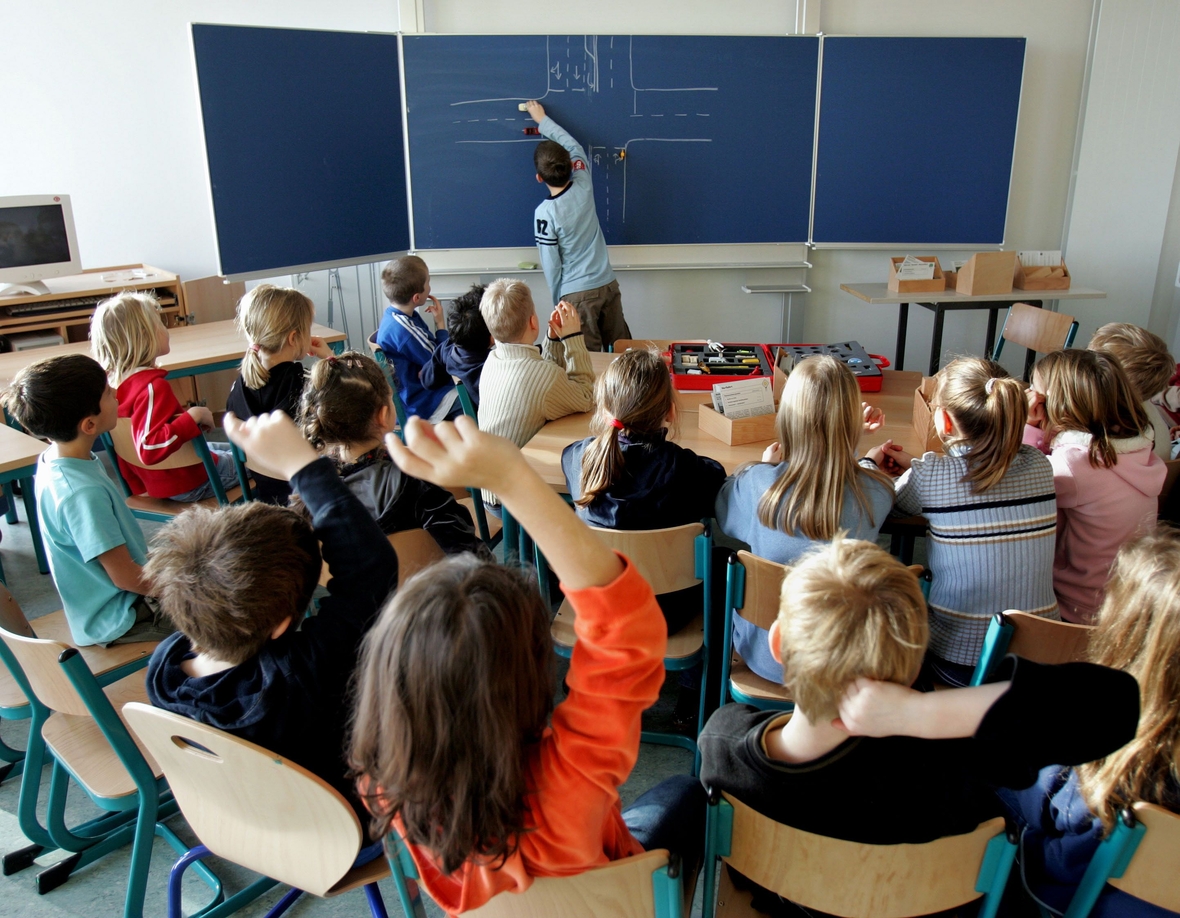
(601, 312)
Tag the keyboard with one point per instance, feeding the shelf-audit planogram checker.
(34, 308)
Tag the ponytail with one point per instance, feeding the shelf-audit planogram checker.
(990, 410)
(340, 400)
(266, 317)
(634, 394)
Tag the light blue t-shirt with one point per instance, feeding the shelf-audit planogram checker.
(737, 516)
(83, 515)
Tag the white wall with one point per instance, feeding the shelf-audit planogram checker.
(111, 118)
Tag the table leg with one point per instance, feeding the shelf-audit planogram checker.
(936, 339)
(26, 488)
(990, 345)
(11, 514)
(903, 317)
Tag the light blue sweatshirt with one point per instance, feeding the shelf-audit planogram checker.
(569, 238)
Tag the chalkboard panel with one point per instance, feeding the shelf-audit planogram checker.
(304, 141)
(916, 138)
(717, 134)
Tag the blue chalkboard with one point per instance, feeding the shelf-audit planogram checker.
(916, 138)
(718, 134)
(304, 141)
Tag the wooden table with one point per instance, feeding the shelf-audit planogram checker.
(18, 462)
(896, 399)
(940, 303)
(194, 349)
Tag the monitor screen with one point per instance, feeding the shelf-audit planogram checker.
(33, 235)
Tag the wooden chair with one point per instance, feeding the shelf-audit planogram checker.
(1038, 330)
(120, 442)
(1041, 640)
(107, 664)
(850, 878)
(752, 587)
(267, 814)
(75, 720)
(669, 559)
(1139, 857)
(643, 886)
(415, 550)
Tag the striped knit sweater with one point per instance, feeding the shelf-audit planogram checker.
(520, 388)
(988, 552)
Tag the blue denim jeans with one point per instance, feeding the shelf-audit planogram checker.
(671, 815)
(225, 471)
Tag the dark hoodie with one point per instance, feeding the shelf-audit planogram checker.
(291, 696)
(449, 360)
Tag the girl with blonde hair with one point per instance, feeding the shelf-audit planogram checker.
(127, 337)
(991, 508)
(1085, 415)
(809, 485)
(276, 323)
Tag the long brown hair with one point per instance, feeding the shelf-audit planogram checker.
(991, 423)
(341, 398)
(266, 316)
(819, 424)
(1088, 391)
(455, 684)
(1138, 630)
(636, 391)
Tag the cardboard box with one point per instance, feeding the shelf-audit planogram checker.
(735, 432)
(1045, 278)
(935, 285)
(987, 273)
(924, 416)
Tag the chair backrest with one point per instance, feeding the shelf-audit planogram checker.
(250, 806)
(665, 558)
(1151, 873)
(621, 889)
(124, 441)
(850, 878)
(1037, 329)
(415, 548)
(12, 616)
(1041, 640)
(38, 658)
(763, 586)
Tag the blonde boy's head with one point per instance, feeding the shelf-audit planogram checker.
(848, 610)
(506, 307)
(125, 334)
(1143, 355)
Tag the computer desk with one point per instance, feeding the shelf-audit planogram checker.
(193, 350)
(940, 303)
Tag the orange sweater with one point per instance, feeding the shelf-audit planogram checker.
(574, 821)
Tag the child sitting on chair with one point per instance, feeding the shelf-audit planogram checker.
(237, 582)
(462, 355)
(851, 634)
(95, 546)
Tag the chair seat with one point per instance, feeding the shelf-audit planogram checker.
(144, 504)
(732, 902)
(101, 660)
(750, 684)
(82, 748)
(376, 869)
(684, 643)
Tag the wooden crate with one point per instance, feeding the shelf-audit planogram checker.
(935, 285)
(737, 431)
(1042, 278)
(987, 273)
(924, 417)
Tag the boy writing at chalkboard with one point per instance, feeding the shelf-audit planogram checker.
(569, 238)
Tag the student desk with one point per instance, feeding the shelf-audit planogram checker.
(18, 462)
(940, 303)
(193, 350)
(896, 399)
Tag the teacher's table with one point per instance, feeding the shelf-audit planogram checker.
(896, 399)
(193, 350)
(940, 303)
(18, 462)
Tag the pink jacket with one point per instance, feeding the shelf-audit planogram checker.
(1098, 509)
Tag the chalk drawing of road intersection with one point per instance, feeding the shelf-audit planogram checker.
(604, 68)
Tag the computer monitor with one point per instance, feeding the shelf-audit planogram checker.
(37, 240)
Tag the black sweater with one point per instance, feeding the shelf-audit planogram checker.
(282, 392)
(290, 696)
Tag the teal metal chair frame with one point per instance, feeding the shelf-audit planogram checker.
(1110, 861)
(1030, 356)
(992, 878)
(666, 882)
(995, 645)
(202, 450)
(735, 598)
(481, 516)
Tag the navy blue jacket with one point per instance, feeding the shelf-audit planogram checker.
(450, 360)
(291, 696)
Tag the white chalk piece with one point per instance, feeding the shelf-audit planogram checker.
(523, 107)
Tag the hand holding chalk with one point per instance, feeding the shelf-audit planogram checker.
(536, 111)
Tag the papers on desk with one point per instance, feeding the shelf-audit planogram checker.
(745, 398)
(911, 268)
(1050, 259)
